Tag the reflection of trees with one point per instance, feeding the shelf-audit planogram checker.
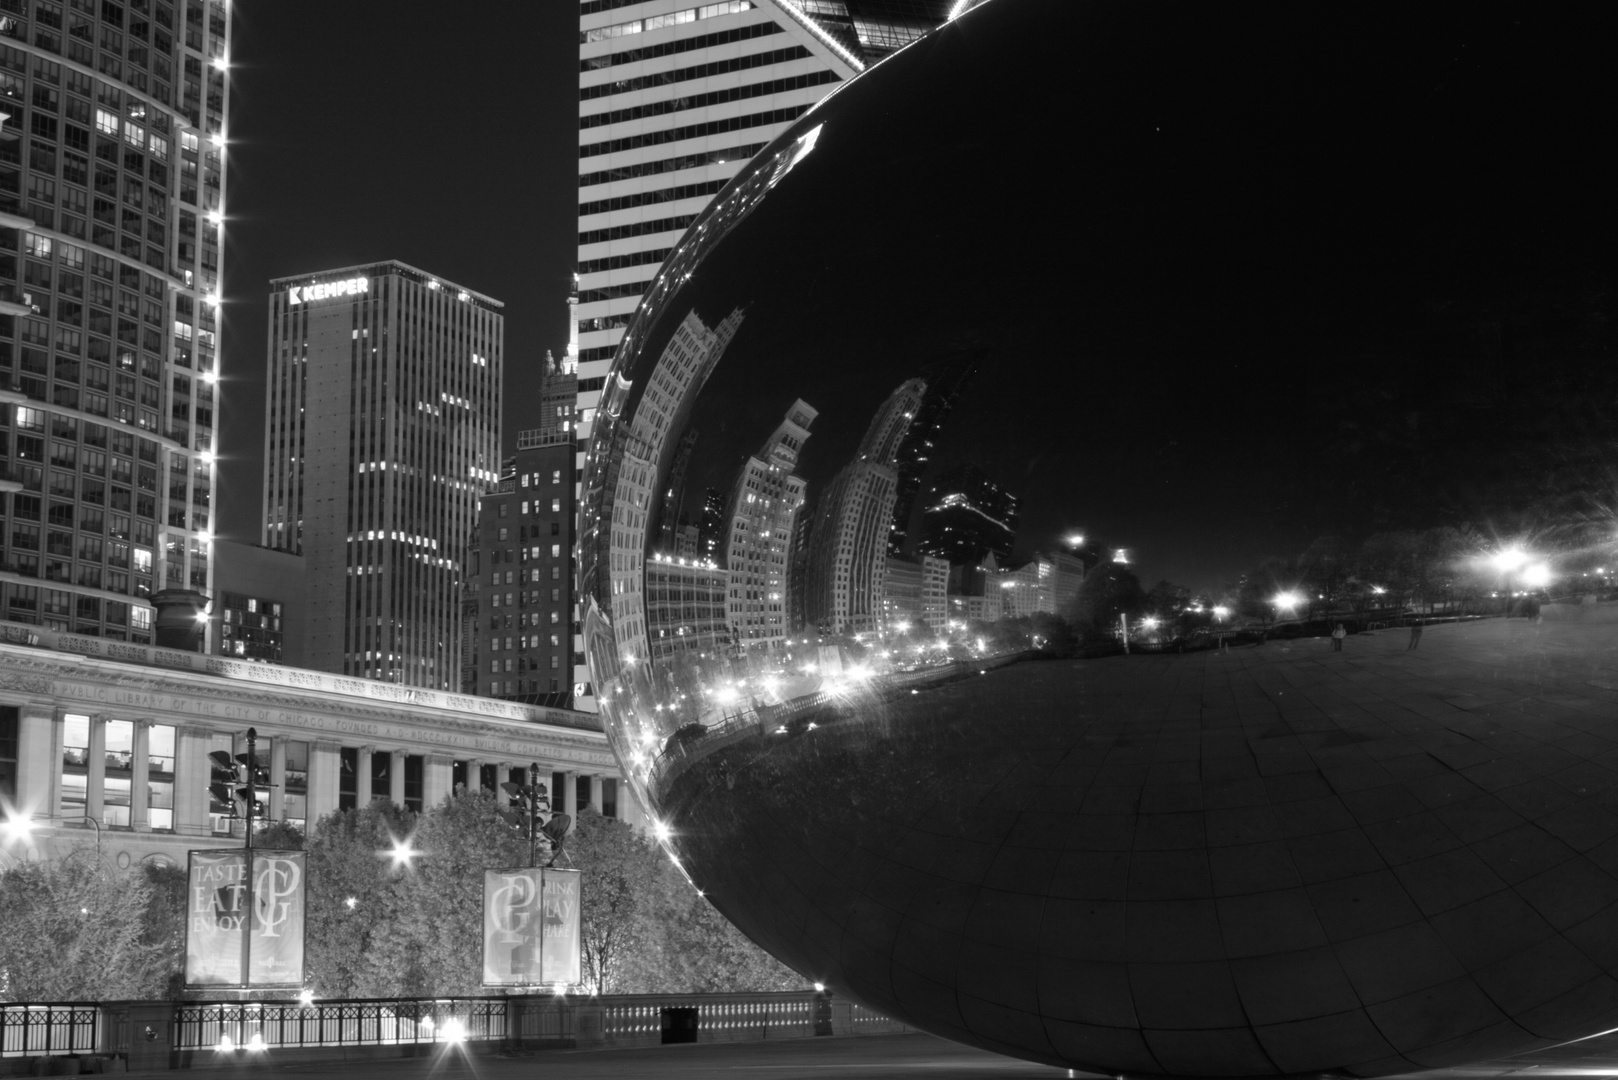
(1109, 590)
(1432, 569)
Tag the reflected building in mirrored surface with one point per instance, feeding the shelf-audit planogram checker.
(675, 97)
(646, 450)
(847, 539)
(763, 511)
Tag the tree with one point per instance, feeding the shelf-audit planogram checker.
(1388, 561)
(350, 897)
(1325, 566)
(73, 930)
(703, 953)
(163, 924)
(1110, 590)
(1051, 633)
(437, 940)
(1166, 600)
(616, 904)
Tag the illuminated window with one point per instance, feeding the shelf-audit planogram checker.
(295, 784)
(75, 765)
(119, 772)
(160, 776)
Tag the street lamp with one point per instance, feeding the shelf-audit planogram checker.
(16, 827)
(1508, 560)
(402, 853)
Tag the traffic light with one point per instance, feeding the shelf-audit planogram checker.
(529, 812)
(555, 830)
(222, 782)
(237, 783)
(526, 805)
(255, 778)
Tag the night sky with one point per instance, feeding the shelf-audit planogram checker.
(1249, 276)
(409, 131)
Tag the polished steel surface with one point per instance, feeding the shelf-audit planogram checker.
(1211, 274)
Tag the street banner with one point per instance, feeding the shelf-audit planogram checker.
(216, 904)
(531, 927)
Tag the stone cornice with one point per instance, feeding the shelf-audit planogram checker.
(188, 698)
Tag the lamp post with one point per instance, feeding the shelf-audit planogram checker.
(247, 842)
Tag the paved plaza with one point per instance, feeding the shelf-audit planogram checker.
(884, 1057)
(868, 1058)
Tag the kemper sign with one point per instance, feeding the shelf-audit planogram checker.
(302, 294)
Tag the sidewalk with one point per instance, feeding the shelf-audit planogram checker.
(872, 1057)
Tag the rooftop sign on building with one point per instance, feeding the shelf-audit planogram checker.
(302, 294)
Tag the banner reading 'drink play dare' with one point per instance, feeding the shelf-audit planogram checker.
(530, 927)
(216, 901)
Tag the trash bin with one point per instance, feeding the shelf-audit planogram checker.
(679, 1025)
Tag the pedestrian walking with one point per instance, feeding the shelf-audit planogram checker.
(1337, 637)
(1415, 634)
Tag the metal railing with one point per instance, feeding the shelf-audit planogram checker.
(720, 1017)
(38, 1030)
(381, 1022)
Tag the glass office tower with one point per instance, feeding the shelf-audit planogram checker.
(113, 128)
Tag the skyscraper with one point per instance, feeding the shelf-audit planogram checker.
(969, 517)
(382, 429)
(522, 644)
(946, 377)
(112, 195)
(846, 563)
(675, 97)
(763, 507)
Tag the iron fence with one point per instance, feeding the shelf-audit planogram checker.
(38, 1030)
(206, 1025)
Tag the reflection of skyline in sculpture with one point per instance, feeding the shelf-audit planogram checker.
(844, 572)
(667, 523)
(685, 607)
(724, 215)
(643, 450)
(915, 594)
(968, 516)
(763, 505)
(711, 526)
(946, 378)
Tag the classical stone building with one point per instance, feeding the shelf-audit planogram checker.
(106, 741)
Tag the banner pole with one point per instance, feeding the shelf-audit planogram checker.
(252, 803)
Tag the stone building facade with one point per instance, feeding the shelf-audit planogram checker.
(109, 741)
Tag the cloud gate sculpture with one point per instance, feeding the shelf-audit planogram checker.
(1214, 282)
